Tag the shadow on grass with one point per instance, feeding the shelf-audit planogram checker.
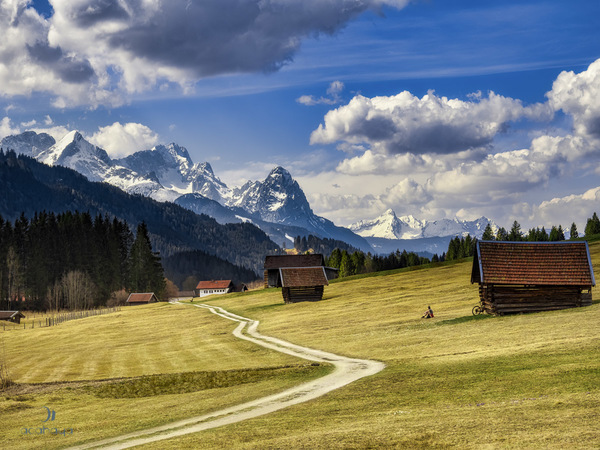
(464, 319)
(270, 307)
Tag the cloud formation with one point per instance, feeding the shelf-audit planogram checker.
(95, 52)
(577, 95)
(405, 123)
(120, 140)
(333, 96)
(436, 157)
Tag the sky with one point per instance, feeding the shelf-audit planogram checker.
(432, 108)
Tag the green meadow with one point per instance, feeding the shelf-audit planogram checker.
(520, 381)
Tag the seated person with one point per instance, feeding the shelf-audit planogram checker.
(428, 314)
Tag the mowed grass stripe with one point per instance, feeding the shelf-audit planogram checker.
(136, 341)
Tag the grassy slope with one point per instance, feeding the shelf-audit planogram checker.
(141, 340)
(517, 381)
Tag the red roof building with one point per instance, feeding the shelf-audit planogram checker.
(211, 287)
(532, 276)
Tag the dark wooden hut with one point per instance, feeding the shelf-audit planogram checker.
(275, 262)
(141, 298)
(12, 316)
(517, 277)
(301, 284)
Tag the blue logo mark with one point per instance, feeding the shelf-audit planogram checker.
(51, 414)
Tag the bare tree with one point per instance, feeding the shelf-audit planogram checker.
(78, 290)
(13, 267)
(54, 296)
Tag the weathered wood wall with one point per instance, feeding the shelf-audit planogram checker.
(499, 299)
(302, 294)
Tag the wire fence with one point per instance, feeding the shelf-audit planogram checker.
(54, 319)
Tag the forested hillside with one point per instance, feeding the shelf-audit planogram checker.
(185, 269)
(29, 186)
(73, 261)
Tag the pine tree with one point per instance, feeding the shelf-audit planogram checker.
(557, 234)
(592, 226)
(488, 233)
(346, 268)
(515, 232)
(335, 259)
(501, 234)
(145, 271)
(574, 233)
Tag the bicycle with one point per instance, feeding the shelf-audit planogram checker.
(478, 309)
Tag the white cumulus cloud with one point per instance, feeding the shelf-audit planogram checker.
(431, 124)
(333, 96)
(120, 140)
(577, 95)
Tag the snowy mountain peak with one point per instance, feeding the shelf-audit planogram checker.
(174, 155)
(75, 152)
(389, 226)
(279, 176)
(205, 167)
(28, 143)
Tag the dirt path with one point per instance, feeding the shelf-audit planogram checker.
(346, 371)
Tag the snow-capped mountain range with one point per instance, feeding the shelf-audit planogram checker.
(390, 226)
(277, 204)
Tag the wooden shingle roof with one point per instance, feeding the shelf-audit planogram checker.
(533, 263)
(214, 284)
(5, 315)
(303, 276)
(279, 261)
(145, 297)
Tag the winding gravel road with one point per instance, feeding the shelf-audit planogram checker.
(346, 371)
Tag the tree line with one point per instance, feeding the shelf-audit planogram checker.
(29, 186)
(537, 234)
(357, 262)
(324, 246)
(73, 261)
(465, 246)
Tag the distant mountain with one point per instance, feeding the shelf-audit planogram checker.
(390, 226)
(29, 143)
(29, 187)
(167, 173)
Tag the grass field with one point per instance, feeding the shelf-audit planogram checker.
(523, 381)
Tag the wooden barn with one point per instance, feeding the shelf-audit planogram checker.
(516, 277)
(141, 298)
(301, 284)
(273, 263)
(12, 316)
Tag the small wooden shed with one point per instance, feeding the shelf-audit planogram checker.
(517, 277)
(141, 298)
(275, 262)
(12, 316)
(301, 284)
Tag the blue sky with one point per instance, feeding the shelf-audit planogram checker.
(433, 108)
